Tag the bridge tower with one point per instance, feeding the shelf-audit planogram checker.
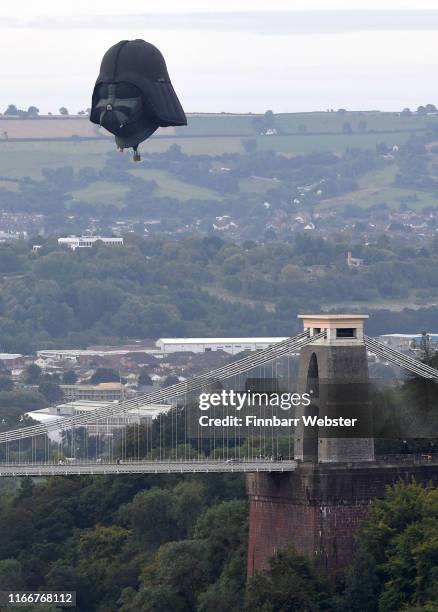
(318, 507)
(334, 370)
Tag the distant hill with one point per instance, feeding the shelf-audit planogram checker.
(57, 127)
(201, 125)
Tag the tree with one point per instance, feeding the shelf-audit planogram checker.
(11, 110)
(144, 378)
(100, 560)
(170, 380)
(6, 384)
(64, 577)
(269, 119)
(182, 569)
(11, 575)
(151, 516)
(32, 374)
(105, 375)
(395, 564)
(33, 111)
(249, 144)
(63, 111)
(290, 584)
(69, 377)
(51, 391)
(225, 524)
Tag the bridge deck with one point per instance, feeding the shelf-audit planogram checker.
(144, 467)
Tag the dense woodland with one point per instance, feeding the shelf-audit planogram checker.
(200, 286)
(173, 543)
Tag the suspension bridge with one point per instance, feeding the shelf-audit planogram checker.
(101, 441)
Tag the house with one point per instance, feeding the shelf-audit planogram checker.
(354, 262)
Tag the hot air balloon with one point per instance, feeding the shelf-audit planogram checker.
(133, 94)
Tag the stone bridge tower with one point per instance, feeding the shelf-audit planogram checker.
(318, 507)
(334, 370)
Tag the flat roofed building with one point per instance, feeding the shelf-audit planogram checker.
(108, 391)
(204, 345)
(11, 359)
(139, 414)
(80, 242)
(76, 354)
(408, 341)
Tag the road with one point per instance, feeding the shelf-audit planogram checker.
(144, 467)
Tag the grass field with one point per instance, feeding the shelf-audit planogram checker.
(9, 185)
(106, 192)
(19, 159)
(257, 184)
(309, 143)
(375, 188)
(101, 192)
(171, 187)
(315, 122)
(334, 122)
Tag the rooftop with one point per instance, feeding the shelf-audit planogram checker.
(334, 317)
(104, 386)
(265, 340)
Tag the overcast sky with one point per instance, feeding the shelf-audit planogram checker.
(229, 55)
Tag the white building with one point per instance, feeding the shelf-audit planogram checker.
(354, 262)
(76, 354)
(104, 391)
(80, 242)
(408, 341)
(11, 359)
(205, 345)
(139, 414)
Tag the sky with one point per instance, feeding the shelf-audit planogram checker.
(229, 55)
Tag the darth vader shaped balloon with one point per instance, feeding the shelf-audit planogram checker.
(133, 95)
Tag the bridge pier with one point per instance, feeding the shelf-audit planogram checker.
(318, 508)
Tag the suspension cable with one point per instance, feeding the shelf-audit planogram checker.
(405, 361)
(242, 365)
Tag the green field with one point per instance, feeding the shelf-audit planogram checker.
(376, 187)
(334, 122)
(171, 187)
(313, 123)
(338, 143)
(101, 192)
(215, 134)
(257, 184)
(215, 145)
(220, 125)
(19, 159)
(9, 185)
(106, 192)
